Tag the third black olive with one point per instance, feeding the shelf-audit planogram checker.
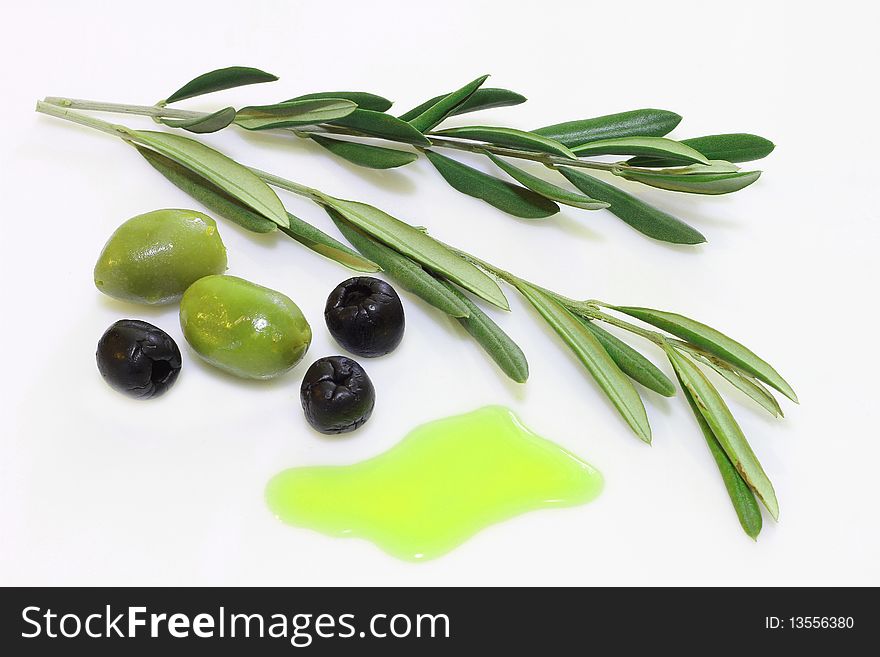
(365, 316)
(337, 395)
(138, 359)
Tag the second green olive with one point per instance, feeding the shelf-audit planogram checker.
(243, 328)
(153, 257)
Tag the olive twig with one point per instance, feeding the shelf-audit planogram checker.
(154, 111)
(74, 117)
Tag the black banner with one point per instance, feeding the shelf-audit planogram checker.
(107, 621)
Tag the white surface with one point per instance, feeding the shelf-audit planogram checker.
(100, 490)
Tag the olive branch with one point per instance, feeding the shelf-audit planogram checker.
(445, 276)
(345, 122)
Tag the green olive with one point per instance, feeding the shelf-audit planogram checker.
(153, 257)
(243, 328)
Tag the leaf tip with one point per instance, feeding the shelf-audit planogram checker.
(520, 375)
(783, 386)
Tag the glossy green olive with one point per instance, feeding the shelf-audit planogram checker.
(243, 328)
(153, 257)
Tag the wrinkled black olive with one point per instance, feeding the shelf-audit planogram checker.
(365, 316)
(138, 359)
(337, 395)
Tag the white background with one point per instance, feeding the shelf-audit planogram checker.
(97, 489)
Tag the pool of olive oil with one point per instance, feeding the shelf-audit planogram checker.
(440, 485)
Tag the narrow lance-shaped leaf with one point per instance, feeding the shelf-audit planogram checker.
(669, 148)
(548, 189)
(712, 341)
(365, 155)
(402, 270)
(222, 204)
(733, 147)
(744, 383)
(220, 79)
(482, 98)
(631, 362)
(320, 242)
(504, 351)
(204, 124)
(379, 124)
(208, 194)
(725, 429)
(592, 354)
(509, 137)
(419, 246)
(638, 214)
(642, 122)
(296, 113)
(227, 174)
(741, 496)
(362, 99)
(435, 114)
(515, 200)
(693, 183)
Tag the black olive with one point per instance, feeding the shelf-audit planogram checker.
(337, 395)
(138, 359)
(365, 316)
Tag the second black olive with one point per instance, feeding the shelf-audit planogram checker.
(138, 359)
(337, 395)
(365, 316)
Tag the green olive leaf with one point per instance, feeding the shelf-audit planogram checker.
(208, 194)
(638, 214)
(642, 122)
(693, 183)
(733, 147)
(227, 174)
(631, 362)
(613, 382)
(321, 243)
(362, 99)
(715, 342)
(402, 270)
(224, 205)
(292, 114)
(220, 79)
(436, 113)
(379, 124)
(724, 427)
(365, 155)
(547, 189)
(500, 347)
(744, 383)
(508, 137)
(204, 124)
(741, 496)
(669, 148)
(509, 198)
(417, 245)
(482, 98)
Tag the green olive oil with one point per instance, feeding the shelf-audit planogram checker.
(440, 485)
